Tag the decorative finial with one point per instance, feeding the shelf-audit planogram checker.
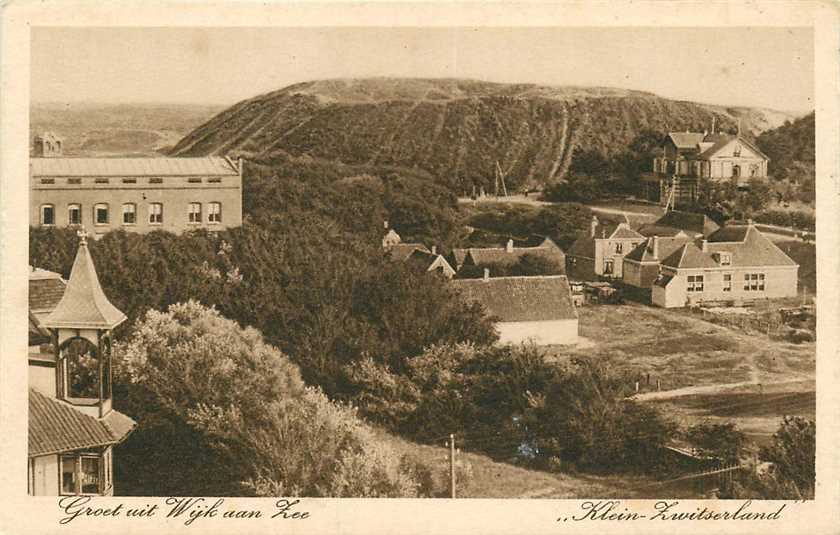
(82, 234)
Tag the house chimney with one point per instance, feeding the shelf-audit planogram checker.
(434, 249)
(486, 274)
(655, 246)
(386, 224)
(704, 246)
(509, 246)
(592, 226)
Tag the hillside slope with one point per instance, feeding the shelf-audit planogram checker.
(791, 148)
(454, 129)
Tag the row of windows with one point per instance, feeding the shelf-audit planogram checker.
(753, 282)
(102, 215)
(131, 180)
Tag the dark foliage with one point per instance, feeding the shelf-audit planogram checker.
(722, 441)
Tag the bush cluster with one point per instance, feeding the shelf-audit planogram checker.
(788, 218)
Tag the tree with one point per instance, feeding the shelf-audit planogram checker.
(793, 453)
(232, 412)
(723, 441)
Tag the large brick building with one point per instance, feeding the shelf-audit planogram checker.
(134, 194)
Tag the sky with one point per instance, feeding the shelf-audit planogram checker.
(760, 67)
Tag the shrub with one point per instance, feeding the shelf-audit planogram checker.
(254, 427)
(723, 441)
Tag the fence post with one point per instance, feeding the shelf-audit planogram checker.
(637, 387)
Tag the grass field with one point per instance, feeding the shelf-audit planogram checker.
(682, 350)
(492, 479)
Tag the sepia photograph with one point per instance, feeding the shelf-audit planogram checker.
(422, 262)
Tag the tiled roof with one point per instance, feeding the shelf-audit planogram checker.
(427, 261)
(521, 298)
(45, 291)
(56, 426)
(689, 256)
(84, 304)
(730, 233)
(667, 245)
(158, 167)
(657, 230)
(401, 251)
(756, 250)
(686, 140)
(459, 255)
(500, 255)
(698, 223)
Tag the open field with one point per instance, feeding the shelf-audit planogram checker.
(493, 479)
(682, 350)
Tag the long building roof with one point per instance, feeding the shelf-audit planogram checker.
(129, 167)
(513, 299)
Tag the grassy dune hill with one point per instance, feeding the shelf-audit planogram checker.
(457, 130)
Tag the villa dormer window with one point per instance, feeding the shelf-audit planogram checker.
(725, 259)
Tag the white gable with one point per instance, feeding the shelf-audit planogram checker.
(730, 149)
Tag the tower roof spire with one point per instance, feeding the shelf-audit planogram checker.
(84, 304)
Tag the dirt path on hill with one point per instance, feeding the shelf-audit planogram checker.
(744, 386)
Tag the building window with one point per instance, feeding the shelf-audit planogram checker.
(129, 181)
(214, 212)
(47, 181)
(155, 181)
(736, 152)
(100, 214)
(725, 259)
(695, 283)
(736, 171)
(74, 214)
(608, 267)
(101, 180)
(155, 213)
(753, 282)
(47, 214)
(194, 180)
(74, 180)
(727, 282)
(194, 212)
(129, 213)
(81, 474)
(619, 247)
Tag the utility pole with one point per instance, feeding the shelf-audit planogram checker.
(452, 465)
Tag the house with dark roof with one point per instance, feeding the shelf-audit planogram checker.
(72, 424)
(641, 266)
(415, 254)
(132, 194)
(675, 221)
(537, 309)
(509, 255)
(735, 264)
(690, 157)
(599, 252)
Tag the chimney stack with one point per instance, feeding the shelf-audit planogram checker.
(386, 224)
(704, 245)
(434, 249)
(509, 246)
(486, 274)
(655, 246)
(592, 226)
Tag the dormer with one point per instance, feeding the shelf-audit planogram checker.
(722, 258)
(80, 326)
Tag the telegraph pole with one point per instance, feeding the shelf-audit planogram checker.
(452, 465)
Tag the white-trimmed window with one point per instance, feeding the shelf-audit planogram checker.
(74, 214)
(155, 213)
(725, 259)
(727, 282)
(695, 283)
(82, 473)
(100, 214)
(619, 247)
(47, 214)
(129, 213)
(194, 213)
(608, 267)
(214, 212)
